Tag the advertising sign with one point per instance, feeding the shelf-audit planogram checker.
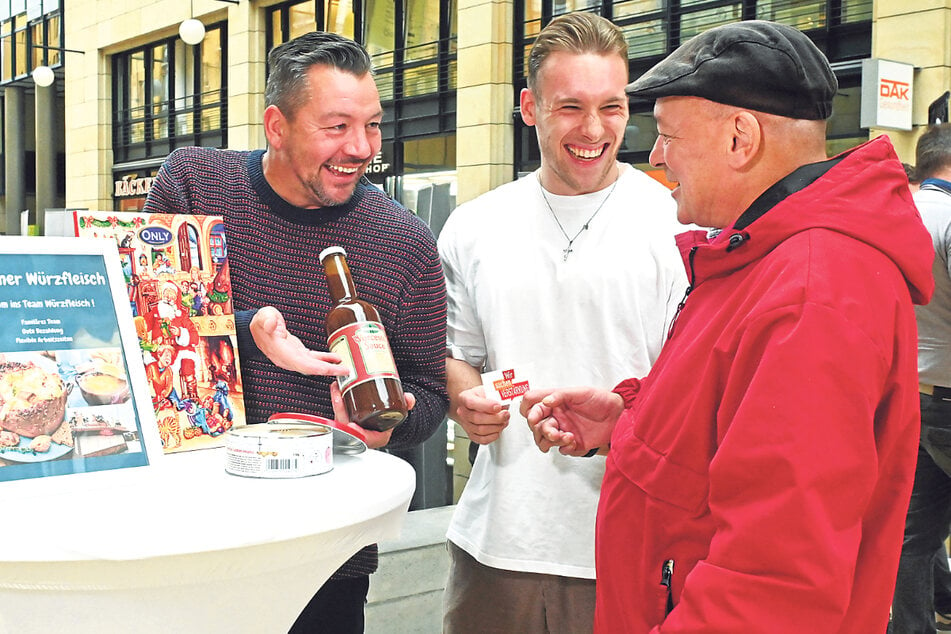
(73, 392)
(887, 94)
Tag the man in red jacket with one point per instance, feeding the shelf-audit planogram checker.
(757, 478)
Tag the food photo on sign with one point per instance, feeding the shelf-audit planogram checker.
(60, 402)
(72, 386)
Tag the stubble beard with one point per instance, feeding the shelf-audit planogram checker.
(323, 197)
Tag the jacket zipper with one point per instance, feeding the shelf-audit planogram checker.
(666, 578)
(683, 302)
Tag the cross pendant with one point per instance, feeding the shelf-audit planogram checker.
(566, 252)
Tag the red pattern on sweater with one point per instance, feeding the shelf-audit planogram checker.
(272, 251)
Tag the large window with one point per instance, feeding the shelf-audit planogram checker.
(29, 39)
(169, 94)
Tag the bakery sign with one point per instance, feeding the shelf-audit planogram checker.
(132, 185)
(887, 94)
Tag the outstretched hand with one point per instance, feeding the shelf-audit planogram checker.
(285, 350)
(575, 420)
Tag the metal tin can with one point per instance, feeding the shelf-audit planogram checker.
(279, 451)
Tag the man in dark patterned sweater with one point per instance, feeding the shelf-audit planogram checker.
(281, 207)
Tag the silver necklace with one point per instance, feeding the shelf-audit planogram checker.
(568, 250)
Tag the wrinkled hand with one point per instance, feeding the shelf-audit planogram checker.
(575, 420)
(374, 439)
(482, 419)
(270, 333)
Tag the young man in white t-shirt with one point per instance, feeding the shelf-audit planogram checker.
(573, 272)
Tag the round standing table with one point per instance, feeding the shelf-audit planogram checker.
(183, 546)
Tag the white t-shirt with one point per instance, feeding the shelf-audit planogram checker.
(596, 318)
(934, 319)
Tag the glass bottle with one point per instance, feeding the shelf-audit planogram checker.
(372, 391)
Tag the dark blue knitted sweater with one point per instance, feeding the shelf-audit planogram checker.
(272, 254)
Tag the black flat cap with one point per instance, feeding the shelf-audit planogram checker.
(755, 64)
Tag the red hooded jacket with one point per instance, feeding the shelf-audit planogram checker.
(759, 477)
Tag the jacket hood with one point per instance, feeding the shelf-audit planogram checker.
(864, 195)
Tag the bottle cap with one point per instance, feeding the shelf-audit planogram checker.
(331, 251)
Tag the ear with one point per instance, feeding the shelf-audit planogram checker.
(747, 136)
(275, 126)
(526, 102)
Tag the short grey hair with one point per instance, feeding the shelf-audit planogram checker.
(289, 62)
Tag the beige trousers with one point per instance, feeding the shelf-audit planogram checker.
(483, 600)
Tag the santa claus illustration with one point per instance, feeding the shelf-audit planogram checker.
(169, 324)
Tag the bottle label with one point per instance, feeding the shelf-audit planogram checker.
(365, 351)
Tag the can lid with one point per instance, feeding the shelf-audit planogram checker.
(331, 251)
(347, 440)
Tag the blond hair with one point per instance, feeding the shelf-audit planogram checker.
(577, 33)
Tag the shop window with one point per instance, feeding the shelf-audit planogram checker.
(427, 186)
(429, 154)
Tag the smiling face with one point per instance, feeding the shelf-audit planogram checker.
(579, 110)
(316, 157)
(692, 139)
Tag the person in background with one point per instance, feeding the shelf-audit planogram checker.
(757, 478)
(923, 562)
(913, 181)
(281, 207)
(595, 239)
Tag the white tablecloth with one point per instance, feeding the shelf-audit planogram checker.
(183, 546)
